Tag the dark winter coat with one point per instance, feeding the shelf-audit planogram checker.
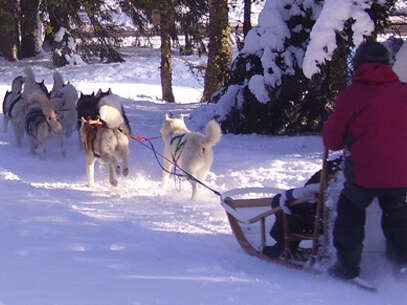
(370, 120)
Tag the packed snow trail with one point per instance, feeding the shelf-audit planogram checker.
(64, 243)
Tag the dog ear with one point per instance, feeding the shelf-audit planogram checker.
(167, 117)
(109, 91)
(93, 93)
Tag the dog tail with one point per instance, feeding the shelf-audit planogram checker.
(58, 81)
(70, 95)
(110, 111)
(17, 84)
(29, 82)
(29, 75)
(213, 133)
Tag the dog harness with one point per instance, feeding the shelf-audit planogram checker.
(180, 145)
(13, 103)
(32, 120)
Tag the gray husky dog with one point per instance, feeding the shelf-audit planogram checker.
(14, 110)
(41, 120)
(191, 151)
(63, 99)
(104, 133)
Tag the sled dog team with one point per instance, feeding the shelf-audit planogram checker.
(103, 128)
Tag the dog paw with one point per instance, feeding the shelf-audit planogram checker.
(113, 182)
(117, 169)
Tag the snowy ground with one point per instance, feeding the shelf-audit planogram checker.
(65, 244)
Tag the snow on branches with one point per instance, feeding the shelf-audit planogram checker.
(331, 21)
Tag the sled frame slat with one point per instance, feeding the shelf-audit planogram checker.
(276, 209)
(248, 203)
(263, 231)
(321, 210)
(295, 236)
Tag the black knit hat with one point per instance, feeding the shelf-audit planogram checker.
(371, 51)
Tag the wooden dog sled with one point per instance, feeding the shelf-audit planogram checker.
(250, 222)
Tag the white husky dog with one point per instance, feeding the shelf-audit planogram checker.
(191, 151)
(105, 139)
(63, 99)
(41, 121)
(14, 110)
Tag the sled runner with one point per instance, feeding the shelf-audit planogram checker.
(252, 213)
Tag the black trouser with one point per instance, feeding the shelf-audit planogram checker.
(350, 222)
(300, 221)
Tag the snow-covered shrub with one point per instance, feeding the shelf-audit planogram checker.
(65, 52)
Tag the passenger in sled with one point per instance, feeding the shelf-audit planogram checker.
(300, 218)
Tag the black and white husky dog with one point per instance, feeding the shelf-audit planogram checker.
(63, 99)
(13, 109)
(41, 120)
(104, 132)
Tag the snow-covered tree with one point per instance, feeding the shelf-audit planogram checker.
(269, 92)
(365, 19)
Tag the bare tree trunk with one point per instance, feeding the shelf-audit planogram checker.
(247, 25)
(220, 48)
(166, 59)
(8, 29)
(29, 27)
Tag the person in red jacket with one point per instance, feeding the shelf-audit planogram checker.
(370, 124)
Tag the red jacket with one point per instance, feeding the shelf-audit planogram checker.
(370, 120)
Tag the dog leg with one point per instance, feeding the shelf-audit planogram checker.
(19, 133)
(19, 140)
(195, 187)
(118, 169)
(33, 145)
(60, 142)
(166, 172)
(43, 156)
(90, 171)
(112, 179)
(5, 123)
(125, 170)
